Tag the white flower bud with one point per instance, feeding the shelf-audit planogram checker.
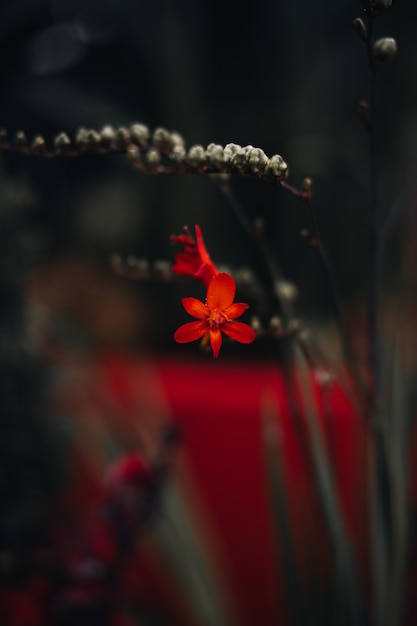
(286, 291)
(80, 137)
(238, 160)
(215, 155)
(229, 150)
(92, 140)
(139, 133)
(384, 49)
(276, 168)
(196, 156)
(178, 154)
(38, 145)
(122, 137)
(153, 157)
(107, 135)
(161, 138)
(257, 160)
(175, 139)
(62, 142)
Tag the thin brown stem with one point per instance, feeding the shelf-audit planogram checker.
(335, 294)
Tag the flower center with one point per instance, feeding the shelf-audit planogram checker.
(216, 318)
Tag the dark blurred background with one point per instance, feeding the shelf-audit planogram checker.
(285, 76)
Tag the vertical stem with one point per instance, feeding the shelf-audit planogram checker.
(328, 271)
(383, 516)
(373, 322)
(336, 300)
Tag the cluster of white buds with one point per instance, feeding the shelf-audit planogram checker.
(158, 152)
(385, 48)
(140, 268)
(235, 159)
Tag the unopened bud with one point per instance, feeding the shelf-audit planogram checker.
(122, 137)
(153, 157)
(133, 156)
(215, 156)
(178, 154)
(92, 140)
(256, 323)
(276, 168)
(142, 265)
(360, 28)
(245, 277)
(81, 137)
(162, 268)
(161, 139)
(196, 156)
(62, 143)
(275, 324)
(384, 49)
(229, 150)
(3, 137)
(107, 136)
(286, 291)
(139, 133)
(20, 140)
(308, 185)
(38, 145)
(175, 139)
(257, 160)
(238, 160)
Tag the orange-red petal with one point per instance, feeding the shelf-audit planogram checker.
(215, 342)
(221, 291)
(235, 310)
(195, 308)
(204, 255)
(190, 332)
(239, 331)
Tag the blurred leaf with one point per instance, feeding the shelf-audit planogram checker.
(348, 602)
(395, 417)
(176, 534)
(276, 484)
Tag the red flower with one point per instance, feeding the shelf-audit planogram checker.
(217, 315)
(194, 260)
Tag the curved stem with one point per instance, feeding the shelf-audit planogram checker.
(336, 299)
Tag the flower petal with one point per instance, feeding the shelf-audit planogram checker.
(221, 291)
(190, 332)
(195, 308)
(215, 342)
(235, 310)
(204, 255)
(184, 264)
(239, 332)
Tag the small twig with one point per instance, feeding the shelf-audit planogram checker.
(255, 231)
(306, 195)
(334, 290)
